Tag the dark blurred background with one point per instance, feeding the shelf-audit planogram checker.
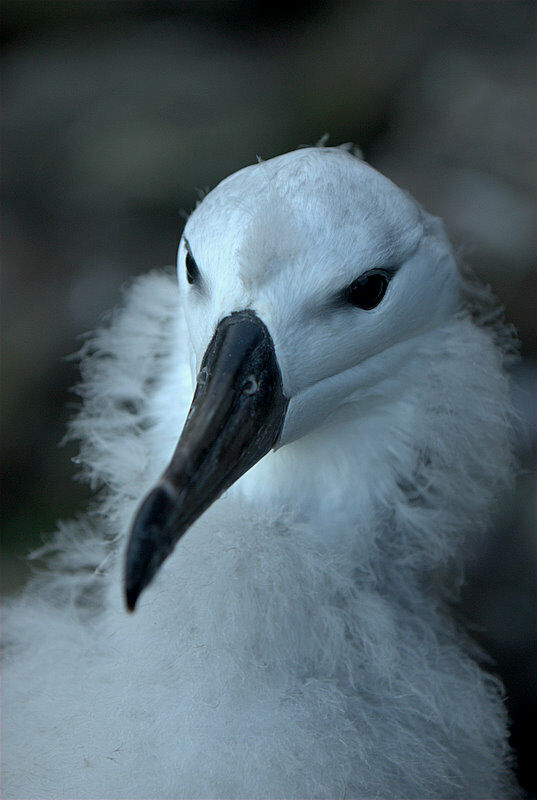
(114, 113)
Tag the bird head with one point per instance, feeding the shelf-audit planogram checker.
(304, 280)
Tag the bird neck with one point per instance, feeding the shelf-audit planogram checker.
(410, 470)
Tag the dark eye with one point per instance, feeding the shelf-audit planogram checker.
(367, 292)
(192, 271)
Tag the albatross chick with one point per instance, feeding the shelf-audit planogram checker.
(298, 441)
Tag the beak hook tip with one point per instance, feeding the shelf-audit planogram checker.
(145, 550)
(130, 599)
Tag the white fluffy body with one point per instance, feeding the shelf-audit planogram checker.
(298, 642)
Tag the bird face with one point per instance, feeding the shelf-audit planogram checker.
(304, 281)
(341, 266)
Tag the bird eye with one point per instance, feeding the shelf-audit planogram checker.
(192, 271)
(367, 292)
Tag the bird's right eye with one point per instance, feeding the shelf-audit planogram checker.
(192, 271)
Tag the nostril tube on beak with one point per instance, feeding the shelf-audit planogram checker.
(250, 386)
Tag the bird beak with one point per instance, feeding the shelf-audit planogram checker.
(235, 418)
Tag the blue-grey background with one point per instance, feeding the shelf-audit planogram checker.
(115, 112)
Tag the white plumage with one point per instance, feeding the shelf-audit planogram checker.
(297, 644)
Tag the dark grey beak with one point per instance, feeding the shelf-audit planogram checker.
(235, 419)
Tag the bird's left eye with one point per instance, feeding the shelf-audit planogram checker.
(192, 271)
(367, 292)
